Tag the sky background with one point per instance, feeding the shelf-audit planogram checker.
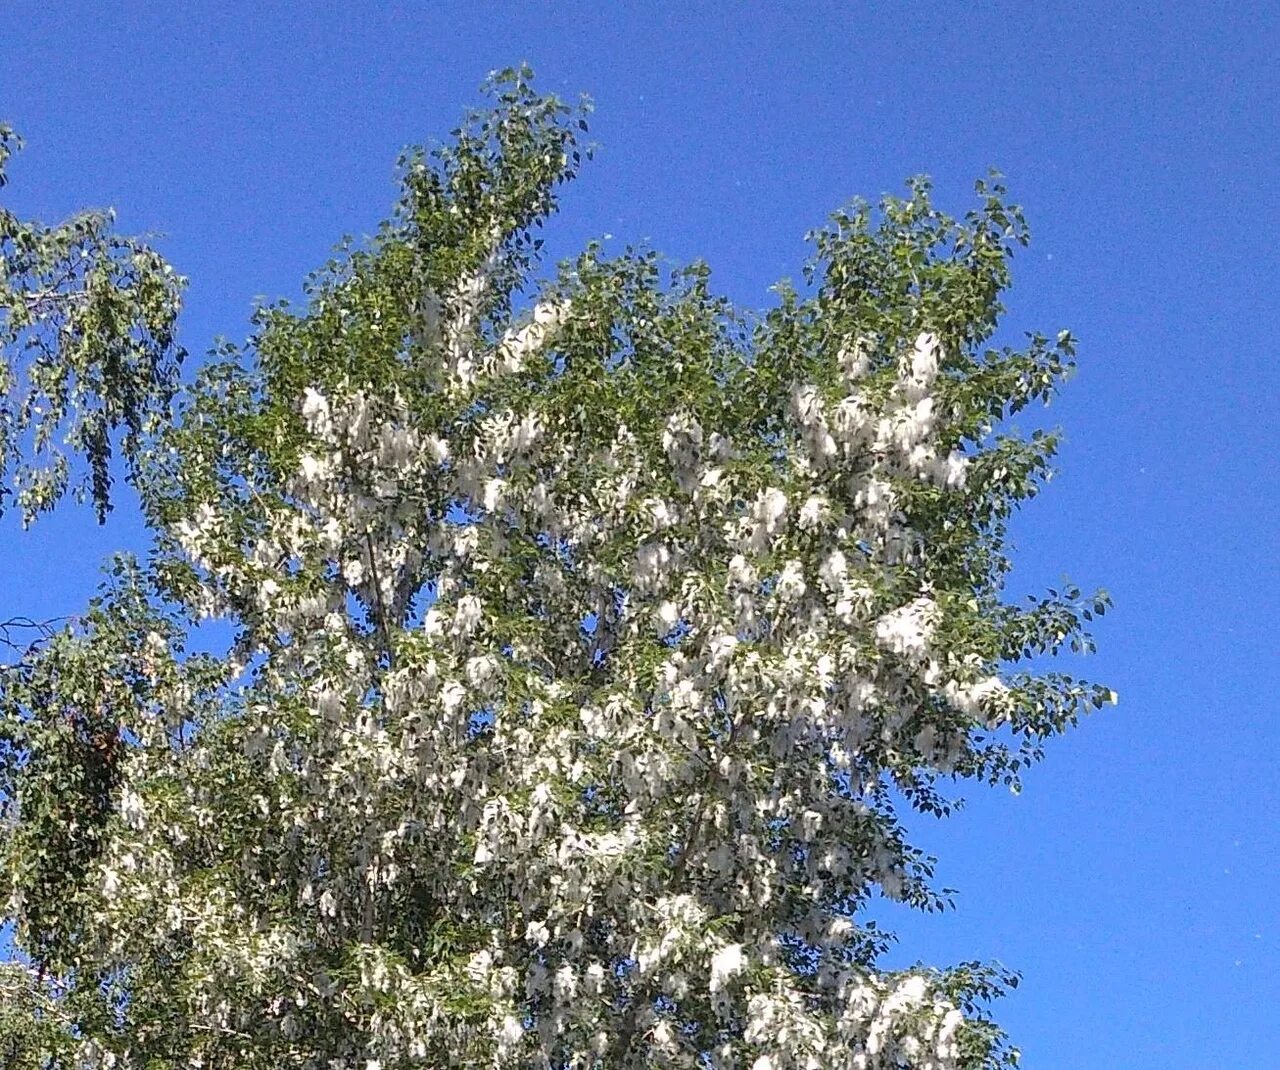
(1134, 881)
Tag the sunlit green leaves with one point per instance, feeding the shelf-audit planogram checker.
(88, 359)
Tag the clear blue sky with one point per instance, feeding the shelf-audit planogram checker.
(1135, 880)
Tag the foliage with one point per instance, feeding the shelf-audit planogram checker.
(86, 350)
(588, 637)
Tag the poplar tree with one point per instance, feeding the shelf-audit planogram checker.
(586, 638)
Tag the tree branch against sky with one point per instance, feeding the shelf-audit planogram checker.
(590, 638)
(87, 353)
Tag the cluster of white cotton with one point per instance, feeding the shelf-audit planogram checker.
(911, 1026)
(520, 343)
(883, 1024)
(908, 630)
(897, 435)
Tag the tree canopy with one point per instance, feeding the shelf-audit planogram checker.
(588, 634)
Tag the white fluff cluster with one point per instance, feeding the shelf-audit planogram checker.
(520, 343)
(908, 630)
(899, 436)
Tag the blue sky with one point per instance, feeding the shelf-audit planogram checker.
(1133, 882)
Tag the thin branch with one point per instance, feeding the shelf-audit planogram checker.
(382, 609)
(44, 629)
